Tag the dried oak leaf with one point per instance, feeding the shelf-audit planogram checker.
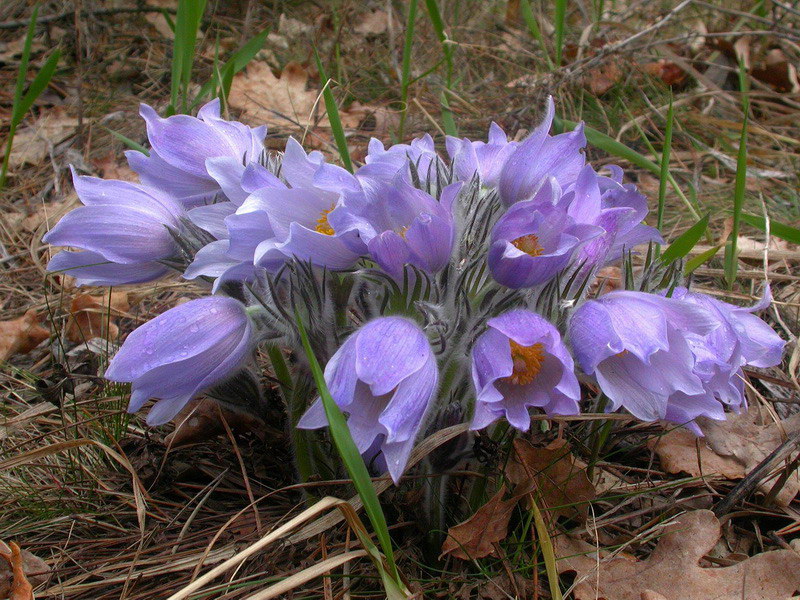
(673, 571)
(730, 449)
(32, 144)
(561, 480)
(375, 22)
(93, 316)
(199, 421)
(20, 571)
(667, 71)
(476, 537)
(21, 335)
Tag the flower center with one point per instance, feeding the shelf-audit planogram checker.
(529, 244)
(402, 231)
(527, 362)
(323, 226)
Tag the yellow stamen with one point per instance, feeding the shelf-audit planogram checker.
(402, 232)
(529, 244)
(322, 222)
(527, 362)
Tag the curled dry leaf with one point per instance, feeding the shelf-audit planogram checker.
(199, 421)
(20, 571)
(667, 71)
(731, 449)
(476, 537)
(560, 479)
(673, 570)
(375, 22)
(93, 316)
(19, 336)
(32, 143)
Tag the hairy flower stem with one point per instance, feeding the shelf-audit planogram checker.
(599, 436)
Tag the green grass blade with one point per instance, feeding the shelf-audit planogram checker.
(187, 23)
(333, 116)
(447, 50)
(560, 23)
(546, 545)
(350, 456)
(237, 61)
(37, 86)
(684, 243)
(22, 72)
(612, 146)
(664, 172)
(128, 141)
(701, 259)
(779, 230)
(731, 249)
(405, 69)
(533, 28)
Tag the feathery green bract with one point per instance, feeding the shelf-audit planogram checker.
(438, 26)
(684, 243)
(350, 456)
(779, 230)
(187, 24)
(333, 116)
(612, 146)
(533, 27)
(731, 248)
(662, 184)
(560, 22)
(24, 100)
(405, 69)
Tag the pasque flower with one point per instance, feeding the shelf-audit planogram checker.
(122, 226)
(518, 363)
(485, 158)
(385, 163)
(398, 224)
(540, 156)
(189, 154)
(181, 353)
(385, 378)
(535, 240)
(636, 345)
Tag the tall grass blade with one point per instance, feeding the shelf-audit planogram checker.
(333, 116)
(350, 456)
(560, 23)
(128, 141)
(548, 552)
(533, 28)
(405, 68)
(731, 248)
(187, 24)
(684, 243)
(779, 230)
(447, 49)
(665, 153)
(700, 259)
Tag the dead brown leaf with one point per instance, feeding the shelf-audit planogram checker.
(110, 167)
(32, 143)
(476, 537)
(373, 23)
(731, 449)
(561, 480)
(199, 421)
(603, 78)
(19, 572)
(673, 570)
(21, 335)
(93, 316)
(667, 71)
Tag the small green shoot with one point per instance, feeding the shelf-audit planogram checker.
(779, 230)
(187, 24)
(684, 243)
(560, 23)
(700, 259)
(333, 116)
(24, 100)
(405, 69)
(533, 28)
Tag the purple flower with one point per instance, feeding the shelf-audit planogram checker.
(122, 226)
(187, 153)
(384, 163)
(534, 241)
(384, 377)
(398, 224)
(485, 158)
(540, 156)
(520, 362)
(636, 345)
(740, 339)
(181, 353)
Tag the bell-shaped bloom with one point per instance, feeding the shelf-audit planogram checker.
(384, 377)
(540, 156)
(384, 163)
(485, 158)
(398, 224)
(518, 363)
(181, 353)
(636, 345)
(120, 223)
(740, 339)
(188, 153)
(534, 241)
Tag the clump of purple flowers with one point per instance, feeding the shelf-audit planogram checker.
(425, 283)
